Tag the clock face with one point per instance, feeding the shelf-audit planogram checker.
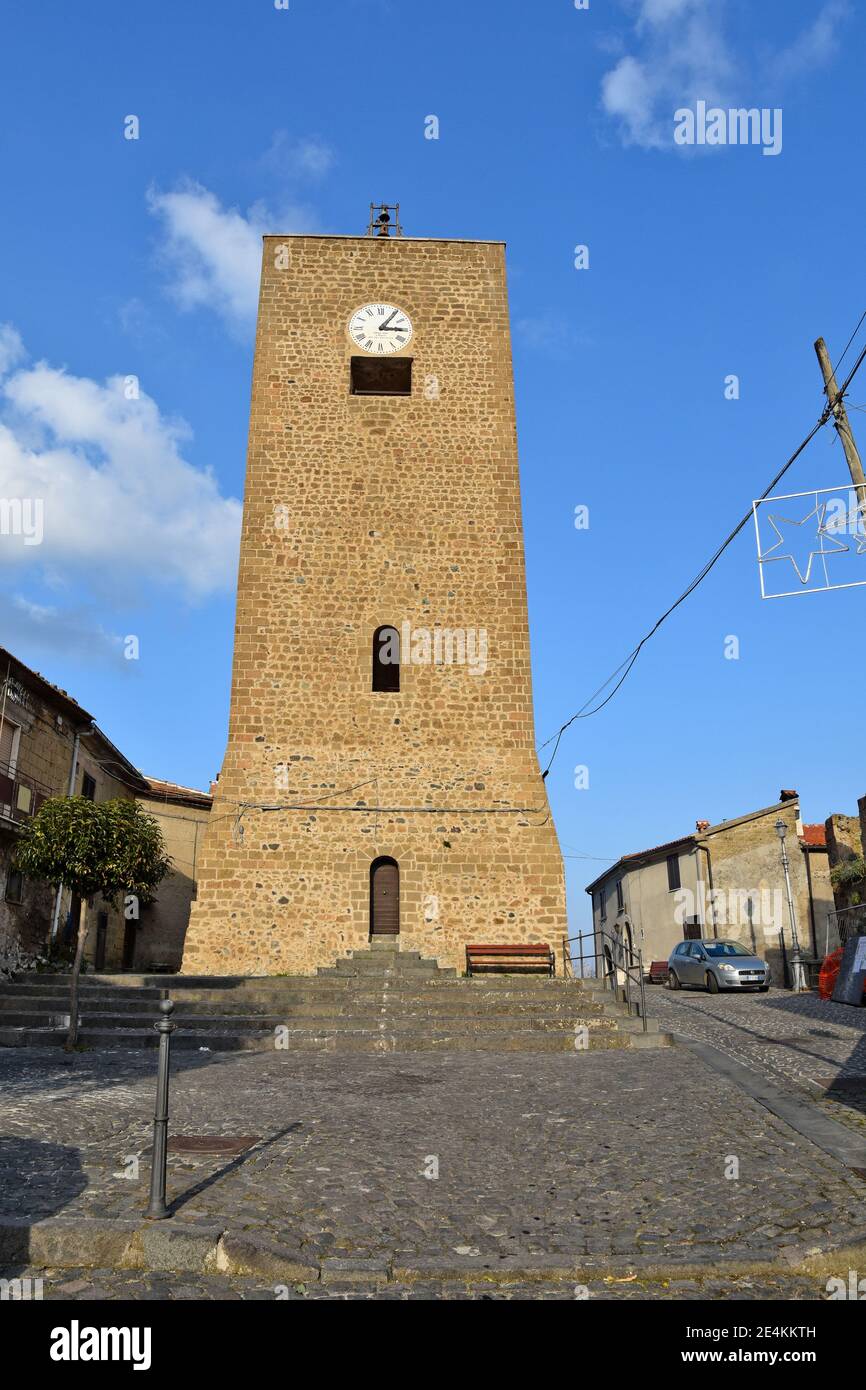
(380, 328)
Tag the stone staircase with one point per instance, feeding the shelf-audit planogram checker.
(378, 1000)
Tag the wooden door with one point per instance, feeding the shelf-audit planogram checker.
(384, 898)
(128, 946)
(101, 940)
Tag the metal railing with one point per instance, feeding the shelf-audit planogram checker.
(20, 794)
(618, 960)
(848, 921)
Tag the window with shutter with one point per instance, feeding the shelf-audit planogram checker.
(7, 744)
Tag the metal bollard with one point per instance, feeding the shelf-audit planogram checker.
(157, 1210)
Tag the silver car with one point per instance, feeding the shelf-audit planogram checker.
(716, 965)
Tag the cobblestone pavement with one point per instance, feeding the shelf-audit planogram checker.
(802, 1040)
(96, 1285)
(610, 1156)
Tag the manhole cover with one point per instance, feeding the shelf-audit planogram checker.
(211, 1143)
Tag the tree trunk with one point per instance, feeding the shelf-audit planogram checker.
(72, 1038)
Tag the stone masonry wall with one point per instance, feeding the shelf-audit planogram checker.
(162, 929)
(360, 512)
(746, 858)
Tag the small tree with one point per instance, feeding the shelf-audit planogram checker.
(107, 847)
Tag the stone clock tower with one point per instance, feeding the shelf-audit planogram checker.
(380, 775)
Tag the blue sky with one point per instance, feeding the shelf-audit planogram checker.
(125, 258)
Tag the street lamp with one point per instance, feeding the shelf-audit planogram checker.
(797, 972)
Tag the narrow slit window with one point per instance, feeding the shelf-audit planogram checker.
(386, 659)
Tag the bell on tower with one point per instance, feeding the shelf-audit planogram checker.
(380, 226)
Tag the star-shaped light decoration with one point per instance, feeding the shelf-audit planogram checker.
(828, 544)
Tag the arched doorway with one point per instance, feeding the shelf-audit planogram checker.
(384, 897)
(629, 945)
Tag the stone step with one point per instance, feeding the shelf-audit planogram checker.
(50, 988)
(358, 1040)
(384, 957)
(380, 999)
(232, 1023)
(362, 969)
(313, 988)
(306, 1007)
(135, 984)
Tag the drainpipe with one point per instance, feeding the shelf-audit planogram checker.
(706, 850)
(807, 856)
(55, 919)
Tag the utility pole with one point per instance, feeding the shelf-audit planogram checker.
(843, 428)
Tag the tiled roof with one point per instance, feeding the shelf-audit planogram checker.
(815, 836)
(11, 663)
(641, 854)
(173, 791)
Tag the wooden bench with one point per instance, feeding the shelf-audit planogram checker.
(512, 959)
(658, 972)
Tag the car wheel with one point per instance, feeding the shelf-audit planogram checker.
(673, 980)
(712, 983)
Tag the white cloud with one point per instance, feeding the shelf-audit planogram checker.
(549, 333)
(11, 348)
(660, 11)
(308, 157)
(628, 93)
(679, 54)
(75, 632)
(214, 253)
(122, 508)
(682, 55)
(816, 45)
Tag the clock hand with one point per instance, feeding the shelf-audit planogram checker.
(387, 320)
(395, 329)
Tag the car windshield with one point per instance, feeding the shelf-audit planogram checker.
(725, 948)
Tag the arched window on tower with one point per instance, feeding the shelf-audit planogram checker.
(386, 659)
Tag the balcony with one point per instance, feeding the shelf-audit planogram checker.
(20, 796)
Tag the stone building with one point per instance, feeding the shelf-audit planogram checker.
(181, 814)
(846, 837)
(51, 746)
(380, 775)
(723, 881)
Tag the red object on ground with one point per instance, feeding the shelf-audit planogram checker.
(829, 974)
(658, 973)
